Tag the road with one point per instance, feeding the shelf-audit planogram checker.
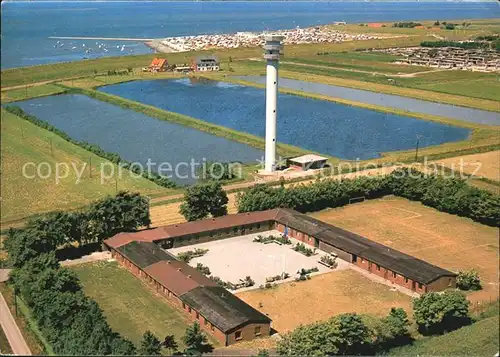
(9, 326)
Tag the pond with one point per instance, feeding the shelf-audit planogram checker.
(387, 100)
(321, 126)
(137, 137)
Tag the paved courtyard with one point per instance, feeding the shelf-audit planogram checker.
(235, 258)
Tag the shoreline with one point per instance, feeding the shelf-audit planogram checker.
(159, 47)
(321, 34)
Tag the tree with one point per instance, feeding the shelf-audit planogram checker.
(170, 343)
(344, 334)
(468, 280)
(438, 313)
(195, 340)
(202, 200)
(150, 345)
(122, 347)
(218, 171)
(124, 212)
(393, 330)
(26, 244)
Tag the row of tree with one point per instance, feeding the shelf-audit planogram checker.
(95, 149)
(450, 195)
(353, 334)
(70, 321)
(101, 220)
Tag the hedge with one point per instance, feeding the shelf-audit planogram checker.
(451, 195)
(95, 149)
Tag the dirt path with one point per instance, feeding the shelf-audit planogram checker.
(11, 330)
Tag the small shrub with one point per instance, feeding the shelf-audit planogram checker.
(248, 281)
(468, 280)
(190, 254)
(301, 248)
(329, 260)
(280, 239)
(203, 269)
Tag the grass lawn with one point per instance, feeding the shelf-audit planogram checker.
(478, 339)
(449, 241)
(292, 304)
(23, 142)
(30, 92)
(130, 306)
(487, 164)
(487, 88)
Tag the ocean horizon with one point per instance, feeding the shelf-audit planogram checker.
(27, 26)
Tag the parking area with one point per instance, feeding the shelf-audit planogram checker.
(235, 258)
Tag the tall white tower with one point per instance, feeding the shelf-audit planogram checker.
(272, 50)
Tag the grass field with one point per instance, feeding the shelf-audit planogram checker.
(487, 164)
(23, 142)
(324, 296)
(449, 241)
(130, 306)
(478, 339)
(30, 92)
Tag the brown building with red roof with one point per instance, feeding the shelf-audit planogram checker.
(224, 315)
(158, 65)
(218, 312)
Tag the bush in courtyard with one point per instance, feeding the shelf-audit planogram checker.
(436, 313)
(202, 200)
(301, 248)
(280, 239)
(329, 260)
(468, 280)
(203, 269)
(190, 254)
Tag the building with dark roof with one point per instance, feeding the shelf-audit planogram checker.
(206, 63)
(224, 315)
(228, 318)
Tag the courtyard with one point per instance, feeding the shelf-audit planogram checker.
(233, 259)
